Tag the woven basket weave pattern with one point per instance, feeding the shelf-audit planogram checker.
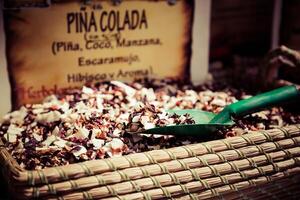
(205, 170)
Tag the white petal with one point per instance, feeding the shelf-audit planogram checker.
(150, 95)
(10, 137)
(116, 143)
(49, 140)
(87, 90)
(55, 131)
(48, 117)
(117, 132)
(218, 102)
(60, 143)
(95, 132)
(14, 130)
(82, 133)
(81, 150)
(145, 119)
(136, 118)
(17, 117)
(128, 90)
(98, 143)
(99, 102)
(149, 125)
(37, 137)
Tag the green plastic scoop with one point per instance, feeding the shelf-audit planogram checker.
(207, 122)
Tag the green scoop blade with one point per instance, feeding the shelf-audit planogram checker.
(201, 127)
(206, 123)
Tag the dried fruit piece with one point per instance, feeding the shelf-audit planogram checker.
(92, 123)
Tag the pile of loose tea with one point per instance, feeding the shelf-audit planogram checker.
(95, 122)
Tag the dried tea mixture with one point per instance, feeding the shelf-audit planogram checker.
(93, 123)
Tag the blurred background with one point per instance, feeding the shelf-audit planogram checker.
(242, 32)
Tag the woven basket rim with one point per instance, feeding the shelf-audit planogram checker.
(17, 174)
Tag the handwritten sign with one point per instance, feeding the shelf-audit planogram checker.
(70, 44)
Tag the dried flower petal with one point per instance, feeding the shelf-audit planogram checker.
(92, 123)
(78, 150)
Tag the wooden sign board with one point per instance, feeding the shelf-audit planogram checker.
(69, 44)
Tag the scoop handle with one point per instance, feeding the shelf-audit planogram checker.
(257, 103)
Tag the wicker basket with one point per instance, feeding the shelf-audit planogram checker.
(261, 164)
